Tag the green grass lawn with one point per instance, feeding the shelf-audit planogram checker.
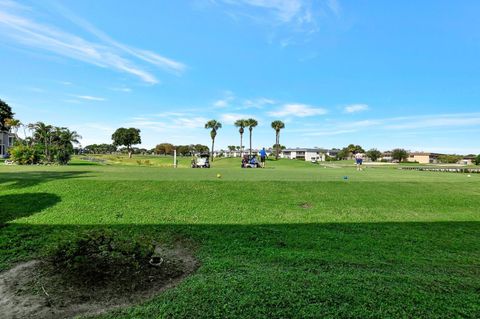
(293, 240)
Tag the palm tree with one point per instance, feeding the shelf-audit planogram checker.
(63, 140)
(277, 126)
(214, 125)
(251, 123)
(241, 128)
(42, 133)
(13, 125)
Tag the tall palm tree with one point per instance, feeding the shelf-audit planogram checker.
(251, 123)
(277, 126)
(241, 128)
(42, 133)
(214, 125)
(66, 138)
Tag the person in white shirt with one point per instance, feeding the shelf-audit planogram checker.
(359, 161)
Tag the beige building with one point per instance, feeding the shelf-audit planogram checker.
(423, 158)
(467, 160)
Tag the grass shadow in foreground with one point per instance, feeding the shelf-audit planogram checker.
(14, 206)
(16, 180)
(301, 270)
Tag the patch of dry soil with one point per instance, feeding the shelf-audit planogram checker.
(34, 290)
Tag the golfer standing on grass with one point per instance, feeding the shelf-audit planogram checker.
(263, 156)
(359, 161)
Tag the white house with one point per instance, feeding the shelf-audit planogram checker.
(6, 141)
(238, 153)
(306, 154)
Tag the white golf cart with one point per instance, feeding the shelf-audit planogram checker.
(202, 161)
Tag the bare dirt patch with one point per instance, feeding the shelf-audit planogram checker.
(306, 205)
(37, 289)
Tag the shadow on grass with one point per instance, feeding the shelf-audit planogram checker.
(420, 269)
(14, 206)
(84, 163)
(24, 179)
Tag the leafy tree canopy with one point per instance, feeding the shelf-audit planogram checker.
(5, 114)
(126, 137)
(477, 160)
(399, 154)
(374, 154)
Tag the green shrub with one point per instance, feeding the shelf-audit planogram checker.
(98, 255)
(25, 155)
(449, 159)
(477, 160)
(62, 156)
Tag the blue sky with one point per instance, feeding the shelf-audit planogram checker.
(382, 74)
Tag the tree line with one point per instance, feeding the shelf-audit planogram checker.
(52, 144)
(373, 154)
(47, 143)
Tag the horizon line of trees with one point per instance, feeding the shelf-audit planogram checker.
(53, 144)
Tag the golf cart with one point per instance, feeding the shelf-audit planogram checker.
(202, 161)
(250, 162)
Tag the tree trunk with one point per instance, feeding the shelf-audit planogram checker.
(277, 138)
(213, 143)
(241, 149)
(129, 152)
(250, 141)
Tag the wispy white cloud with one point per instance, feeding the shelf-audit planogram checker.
(221, 103)
(106, 53)
(355, 108)
(13, 5)
(298, 110)
(257, 103)
(452, 120)
(225, 101)
(168, 122)
(284, 10)
(334, 6)
(90, 98)
(299, 15)
(145, 55)
(230, 118)
(190, 122)
(411, 124)
(121, 89)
